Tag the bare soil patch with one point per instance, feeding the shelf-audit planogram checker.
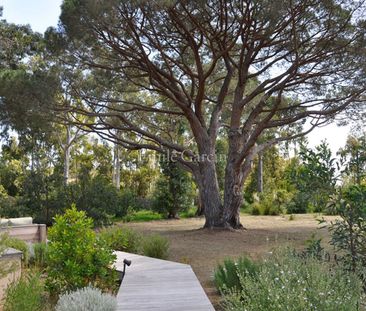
(203, 249)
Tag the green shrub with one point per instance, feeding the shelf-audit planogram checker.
(86, 299)
(40, 254)
(274, 202)
(155, 246)
(142, 216)
(122, 239)
(25, 294)
(227, 274)
(101, 201)
(76, 257)
(349, 232)
(286, 281)
(20, 246)
(189, 213)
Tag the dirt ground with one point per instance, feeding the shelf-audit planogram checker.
(203, 249)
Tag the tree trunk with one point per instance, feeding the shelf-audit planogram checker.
(233, 197)
(235, 175)
(116, 167)
(67, 149)
(210, 195)
(260, 173)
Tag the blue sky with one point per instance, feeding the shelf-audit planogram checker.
(41, 14)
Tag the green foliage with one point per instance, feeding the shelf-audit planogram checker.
(40, 254)
(273, 203)
(277, 189)
(349, 232)
(354, 158)
(100, 200)
(314, 248)
(122, 239)
(286, 281)
(86, 299)
(142, 216)
(189, 213)
(315, 180)
(76, 257)
(27, 294)
(227, 275)
(20, 246)
(173, 193)
(155, 246)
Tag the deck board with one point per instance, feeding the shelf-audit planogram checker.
(152, 284)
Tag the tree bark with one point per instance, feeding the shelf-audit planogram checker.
(260, 173)
(233, 197)
(210, 194)
(235, 176)
(116, 167)
(67, 149)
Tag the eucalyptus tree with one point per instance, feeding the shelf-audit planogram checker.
(197, 61)
(353, 156)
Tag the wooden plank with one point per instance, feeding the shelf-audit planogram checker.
(29, 233)
(152, 284)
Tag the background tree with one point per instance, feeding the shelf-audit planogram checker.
(315, 178)
(354, 158)
(173, 193)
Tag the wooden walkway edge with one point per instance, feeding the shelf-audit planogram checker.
(158, 285)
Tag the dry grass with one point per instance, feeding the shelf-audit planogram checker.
(204, 249)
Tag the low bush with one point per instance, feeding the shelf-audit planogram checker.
(76, 256)
(20, 246)
(25, 294)
(40, 255)
(122, 239)
(155, 246)
(142, 216)
(271, 203)
(86, 299)
(348, 234)
(286, 281)
(227, 275)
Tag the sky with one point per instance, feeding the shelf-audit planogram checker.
(41, 14)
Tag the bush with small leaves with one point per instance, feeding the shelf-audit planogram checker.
(76, 256)
(86, 299)
(122, 239)
(155, 246)
(25, 294)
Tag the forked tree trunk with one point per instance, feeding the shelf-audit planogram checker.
(235, 176)
(210, 195)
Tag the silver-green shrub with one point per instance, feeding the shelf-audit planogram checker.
(287, 282)
(86, 299)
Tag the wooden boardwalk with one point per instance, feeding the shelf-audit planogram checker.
(158, 285)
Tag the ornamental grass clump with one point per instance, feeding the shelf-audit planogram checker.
(285, 281)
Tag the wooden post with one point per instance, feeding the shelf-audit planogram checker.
(42, 233)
